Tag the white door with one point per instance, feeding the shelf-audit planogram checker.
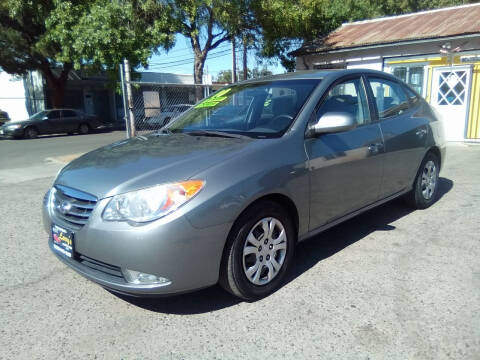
(450, 94)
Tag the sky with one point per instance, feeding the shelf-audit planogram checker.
(179, 60)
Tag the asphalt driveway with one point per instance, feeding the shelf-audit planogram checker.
(389, 284)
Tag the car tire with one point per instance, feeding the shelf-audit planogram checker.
(84, 129)
(255, 262)
(425, 187)
(30, 133)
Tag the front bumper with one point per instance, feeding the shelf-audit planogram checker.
(169, 247)
(5, 132)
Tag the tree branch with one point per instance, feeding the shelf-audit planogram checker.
(219, 41)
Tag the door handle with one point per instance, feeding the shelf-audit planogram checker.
(421, 133)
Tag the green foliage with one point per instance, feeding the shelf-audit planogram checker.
(104, 32)
(82, 34)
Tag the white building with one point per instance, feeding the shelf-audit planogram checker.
(436, 52)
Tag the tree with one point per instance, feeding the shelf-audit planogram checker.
(285, 24)
(77, 34)
(207, 24)
(225, 76)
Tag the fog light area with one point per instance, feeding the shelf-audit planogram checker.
(139, 278)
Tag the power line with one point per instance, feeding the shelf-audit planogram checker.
(187, 61)
(188, 50)
(156, 67)
(171, 62)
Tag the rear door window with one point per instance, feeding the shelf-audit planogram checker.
(54, 115)
(390, 97)
(69, 113)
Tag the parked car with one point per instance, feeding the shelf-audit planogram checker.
(164, 117)
(51, 122)
(199, 202)
(4, 117)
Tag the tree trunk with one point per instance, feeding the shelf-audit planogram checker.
(57, 84)
(198, 76)
(245, 67)
(234, 61)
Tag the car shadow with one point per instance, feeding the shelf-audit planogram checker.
(308, 254)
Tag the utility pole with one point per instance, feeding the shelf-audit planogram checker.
(131, 116)
(245, 65)
(124, 97)
(234, 61)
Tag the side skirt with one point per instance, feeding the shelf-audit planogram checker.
(351, 215)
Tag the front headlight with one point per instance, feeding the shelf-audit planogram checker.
(13, 127)
(151, 203)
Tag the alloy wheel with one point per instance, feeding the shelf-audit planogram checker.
(264, 251)
(429, 180)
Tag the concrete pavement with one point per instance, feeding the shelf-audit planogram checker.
(389, 284)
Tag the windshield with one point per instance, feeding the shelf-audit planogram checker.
(39, 115)
(260, 109)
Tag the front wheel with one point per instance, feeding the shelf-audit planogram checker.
(30, 133)
(425, 187)
(258, 252)
(83, 129)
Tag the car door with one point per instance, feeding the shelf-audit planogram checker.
(403, 122)
(345, 167)
(71, 120)
(53, 122)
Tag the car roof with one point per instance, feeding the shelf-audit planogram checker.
(62, 109)
(316, 74)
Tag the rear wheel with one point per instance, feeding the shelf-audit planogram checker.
(258, 252)
(83, 129)
(30, 133)
(425, 188)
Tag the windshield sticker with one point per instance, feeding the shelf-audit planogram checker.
(214, 100)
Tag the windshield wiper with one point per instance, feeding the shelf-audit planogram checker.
(216, 134)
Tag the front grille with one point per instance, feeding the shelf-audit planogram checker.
(72, 206)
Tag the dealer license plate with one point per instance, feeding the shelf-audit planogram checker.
(62, 240)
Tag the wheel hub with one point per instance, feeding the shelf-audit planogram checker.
(429, 180)
(262, 263)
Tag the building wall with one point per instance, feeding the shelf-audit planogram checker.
(12, 96)
(424, 54)
(472, 129)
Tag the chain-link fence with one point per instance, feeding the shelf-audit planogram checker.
(155, 104)
(149, 106)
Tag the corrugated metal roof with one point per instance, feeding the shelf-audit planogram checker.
(454, 21)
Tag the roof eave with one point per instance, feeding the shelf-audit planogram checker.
(327, 50)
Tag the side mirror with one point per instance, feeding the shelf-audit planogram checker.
(333, 122)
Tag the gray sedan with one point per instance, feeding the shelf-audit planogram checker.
(53, 121)
(225, 200)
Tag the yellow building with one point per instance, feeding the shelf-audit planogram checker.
(436, 52)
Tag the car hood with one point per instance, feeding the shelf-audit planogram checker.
(141, 162)
(19, 122)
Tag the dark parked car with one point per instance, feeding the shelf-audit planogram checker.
(51, 122)
(204, 201)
